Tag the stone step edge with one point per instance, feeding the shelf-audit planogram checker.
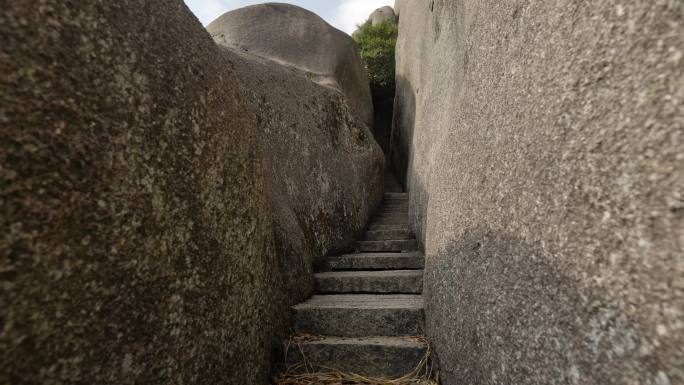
(399, 281)
(371, 261)
(380, 357)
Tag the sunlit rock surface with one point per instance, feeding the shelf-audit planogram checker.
(296, 37)
(542, 146)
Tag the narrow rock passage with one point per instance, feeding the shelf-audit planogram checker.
(369, 304)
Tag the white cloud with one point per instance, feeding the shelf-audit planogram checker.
(353, 12)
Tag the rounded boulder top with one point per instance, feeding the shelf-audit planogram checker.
(296, 37)
(382, 15)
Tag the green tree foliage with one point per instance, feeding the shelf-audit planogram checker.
(376, 46)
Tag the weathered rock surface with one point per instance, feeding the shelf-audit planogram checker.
(133, 202)
(382, 15)
(543, 148)
(296, 37)
(324, 171)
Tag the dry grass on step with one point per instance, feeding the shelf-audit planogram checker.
(304, 374)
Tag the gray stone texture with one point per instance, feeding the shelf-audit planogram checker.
(390, 216)
(384, 235)
(385, 227)
(395, 197)
(394, 208)
(387, 246)
(376, 261)
(542, 144)
(385, 281)
(382, 15)
(136, 241)
(164, 198)
(300, 39)
(389, 357)
(323, 169)
(361, 315)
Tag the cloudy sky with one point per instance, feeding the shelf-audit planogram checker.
(343, 14)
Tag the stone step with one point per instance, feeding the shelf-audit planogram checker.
(401, 225)
(384, 235)
(398, 215)
(387, 246)
(392, 212)
(394, 186)
(385, 211)
(393, 189)
(378, 281)
(405, 224)
(390, 221)
(386, 357)
(394, 203)
(388, 215)
(395, 216)
(361, 315)
(383, 227)
(377, 261)
(389, 196)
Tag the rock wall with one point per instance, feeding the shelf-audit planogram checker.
(324, 170)
(382, 15)
(296, 37)
(542, 144)
(136, 240)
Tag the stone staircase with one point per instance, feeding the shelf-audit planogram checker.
(368, 304)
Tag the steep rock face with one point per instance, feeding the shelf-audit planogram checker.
(324, 170)
(136, 241)
(542, 145)
(299, 38)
